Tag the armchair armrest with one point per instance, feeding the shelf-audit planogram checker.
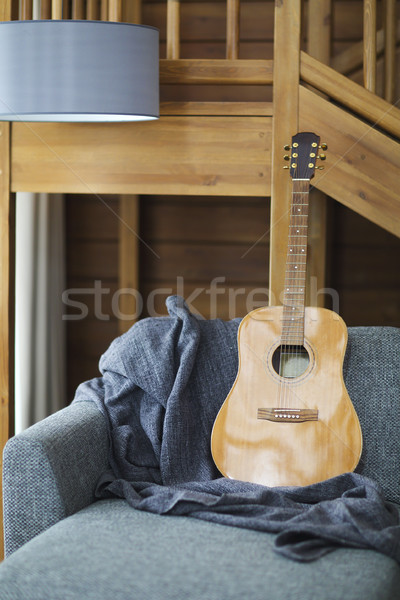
(50, 471)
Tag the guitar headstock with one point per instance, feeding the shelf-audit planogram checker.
(305, 146)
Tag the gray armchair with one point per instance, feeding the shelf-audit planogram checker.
(62, 544)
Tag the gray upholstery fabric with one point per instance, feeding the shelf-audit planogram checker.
(111, 551)
(50, 471)
(372, 374)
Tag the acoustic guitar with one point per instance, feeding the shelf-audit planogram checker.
(288, 419)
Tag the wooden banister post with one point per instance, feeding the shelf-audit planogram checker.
(319, 47)
(56, 9)
(285, 125)
(173, 29)
(232, 28)
(370, 45)
(390, 22)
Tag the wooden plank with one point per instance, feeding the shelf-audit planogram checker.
(203, 262)
(362, 171)
(128, 264)
(369, 39)
(56, 9)
(45, 9)
(249, 109)
(285, 125)
(179, 219)
(232, 29)
(115, 10)
(175, 155)
(26, 10)
(369, 307)
(94, 259)
(92, 217)
(173, 29)
(78, 10)
(216, 72)
(350, 94)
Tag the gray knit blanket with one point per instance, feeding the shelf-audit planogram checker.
(162, 385)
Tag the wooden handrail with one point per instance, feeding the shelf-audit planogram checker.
(350, 94)
(216, 72)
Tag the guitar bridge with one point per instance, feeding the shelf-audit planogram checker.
(288, 415)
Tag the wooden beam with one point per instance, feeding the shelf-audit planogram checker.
(370, 45)
(363, 165)
(319, 46)
(203, 156)
(217, 109)
(285, 125)
(350, 94)
(216, 72)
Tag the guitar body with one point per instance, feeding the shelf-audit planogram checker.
(294, 429)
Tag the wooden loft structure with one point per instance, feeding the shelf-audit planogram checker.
(218, 148)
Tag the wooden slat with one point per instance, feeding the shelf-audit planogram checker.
(78, 9)
(364, 165)
(232, 29)
(26, 10)
(92, 13)
(370, 45)
(128, 264)
(390, 50)
(92, 217)
(173, 29)
(104, 10)
(115, 10)
(132, 11)
(250, 109)
(7, 232)
(56, 9)
(350, 94)
(45, 9)
(175, 155)
(216, 72)
(285, 125)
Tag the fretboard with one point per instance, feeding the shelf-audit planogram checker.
(295, 275)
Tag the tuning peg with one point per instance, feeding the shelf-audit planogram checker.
(323, 147)
(286, 157)
(320, 168)
(286, 167)
(322, 157)
(286, 147)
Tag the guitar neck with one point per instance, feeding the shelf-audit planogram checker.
(295, 275)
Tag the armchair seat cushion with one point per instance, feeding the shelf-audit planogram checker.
(136, 554)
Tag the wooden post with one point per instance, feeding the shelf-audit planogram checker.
(128, 265)
(173, 29)
(370, 45)
(78, 10)
(26, 10)
(7, 233)
(390, 50)
(56, 9)
(232, 28)
(319, 46)
(45, 9)
(115, 10)
(285, 125)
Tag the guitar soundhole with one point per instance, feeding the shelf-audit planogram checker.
(290, 361)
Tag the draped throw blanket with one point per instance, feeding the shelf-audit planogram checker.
(163, 383)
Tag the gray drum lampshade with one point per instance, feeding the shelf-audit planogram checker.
(78, 71)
